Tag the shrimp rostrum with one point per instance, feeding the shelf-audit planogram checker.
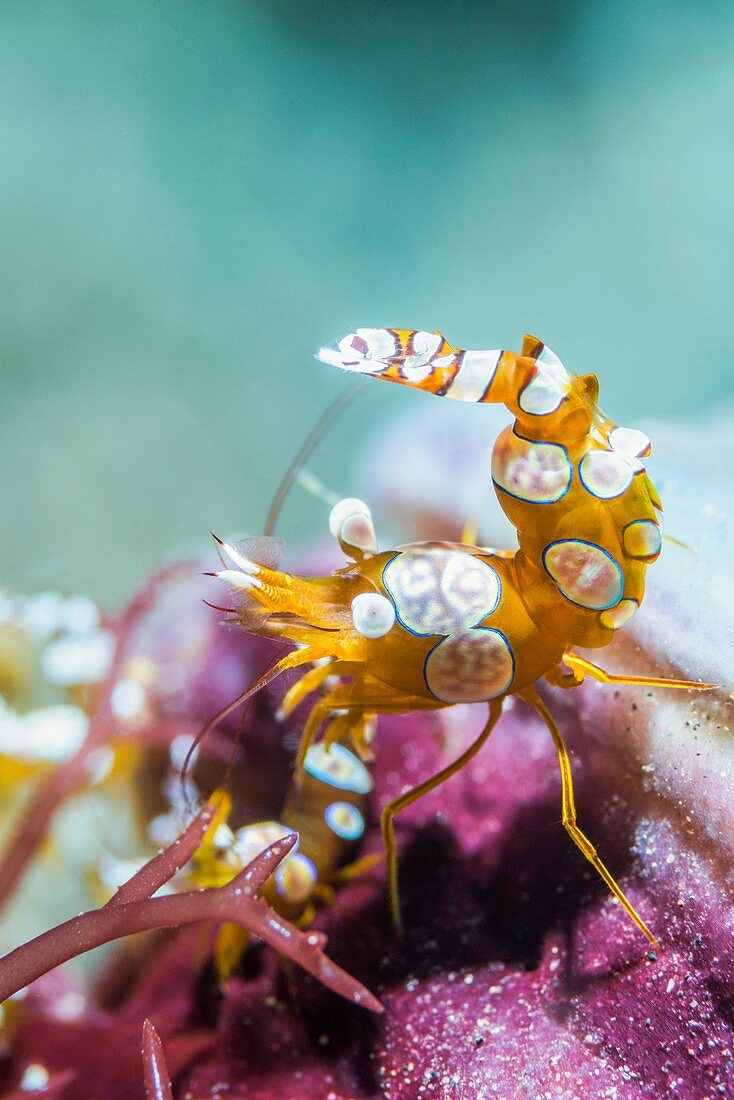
(431, 624)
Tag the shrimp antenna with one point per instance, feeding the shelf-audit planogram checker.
(329, 417)
(289, 661)
(672, 541)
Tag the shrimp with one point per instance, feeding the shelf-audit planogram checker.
(326, 808)
(428, 625)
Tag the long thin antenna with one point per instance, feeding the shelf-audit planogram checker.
(312, 440)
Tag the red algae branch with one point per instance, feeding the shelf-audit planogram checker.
(157, 1081)
(72, 774)
(235, 902)
(161, 868)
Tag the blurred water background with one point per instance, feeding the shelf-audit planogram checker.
(195, 195)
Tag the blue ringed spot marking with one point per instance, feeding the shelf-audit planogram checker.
(338, 767)
(642, 539)
(509, 465)
(546, 391)
(345, 820)
(584, 573)
(547, 411)
(600, 492)
(296, 877)
(439, 590)
(485, 684)
(386, 586)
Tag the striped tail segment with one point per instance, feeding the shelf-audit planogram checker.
(426, 361)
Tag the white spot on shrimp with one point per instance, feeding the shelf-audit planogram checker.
(471, 666)
(365, 351)
(642, 539)
(418, 366)
(345, 820)
(296, 877)
(619, 616)
(441, 591)
(539, 473)
(544, 393)
(373, 614)
(605, 474)
(584, 573)
(338, 767)
(251, 840)
(630, 442)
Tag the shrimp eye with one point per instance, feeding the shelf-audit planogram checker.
(373, 615)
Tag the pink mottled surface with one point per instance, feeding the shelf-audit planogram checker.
(517, 975)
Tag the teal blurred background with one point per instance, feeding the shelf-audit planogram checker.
(196, 195)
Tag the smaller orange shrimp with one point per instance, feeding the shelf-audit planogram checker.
(431, 624)
(327, 810)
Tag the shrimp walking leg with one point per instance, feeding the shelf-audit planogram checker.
(358, 867)
(392, 808)
(581, 667)
(568, 813)
(309, 682)
(343, 702)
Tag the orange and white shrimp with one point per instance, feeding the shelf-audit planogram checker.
(431, 624)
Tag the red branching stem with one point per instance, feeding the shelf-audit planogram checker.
(72, 774)
(236, 902)
(54, 790)
(157, 1081)
(167, 863)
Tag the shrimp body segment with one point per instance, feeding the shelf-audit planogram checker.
(431, 624)
(571, 482)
